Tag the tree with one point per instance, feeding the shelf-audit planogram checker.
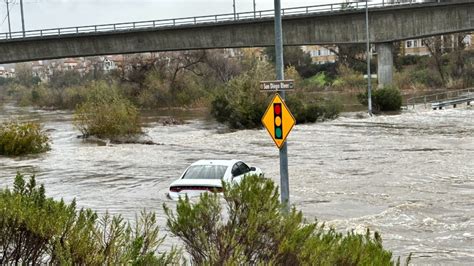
(434, 45)
(458, 57)
(224, 68)
(64, 79)
(24, 75)
(352, 56)
(292, 56)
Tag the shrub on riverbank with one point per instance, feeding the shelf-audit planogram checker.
(349, 79)
(255, 230)
(22, 138)
(106, 113)
(35, 229)
(387, 98)
(241, 104)
(307, 110)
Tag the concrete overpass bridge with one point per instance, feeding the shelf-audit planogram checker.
(340, 23)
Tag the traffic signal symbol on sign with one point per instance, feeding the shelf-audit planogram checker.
(278, 120)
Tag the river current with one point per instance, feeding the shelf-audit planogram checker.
(409, 176)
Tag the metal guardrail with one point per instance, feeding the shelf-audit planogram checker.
(453, 102)
(127, 26)
(431, 98)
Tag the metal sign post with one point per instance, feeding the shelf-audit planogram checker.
(284, 180)
(369, 55)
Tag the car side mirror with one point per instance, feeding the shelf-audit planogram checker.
(253, 168)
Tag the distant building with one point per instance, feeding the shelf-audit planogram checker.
(415, 47)
(2, 72)
(108, 65)
(7, 73)
(40, 70)
(448, 42)
(321, 54)
(70, 64)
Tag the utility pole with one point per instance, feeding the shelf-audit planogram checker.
(284, 180)
(235, 17)
(22, 18)
(254, 10)
(8, 16)
(369, 55)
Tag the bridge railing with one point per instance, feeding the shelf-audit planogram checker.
(304, 10)
(431, 98)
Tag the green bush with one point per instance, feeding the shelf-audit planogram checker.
(411, 59)
(106, 113)
(427, 77)
(310, 111)
(349, 79)
(22, 138)
(252, 229)
(387, 98)
(241, 104)
(319, 80)
(35, 229)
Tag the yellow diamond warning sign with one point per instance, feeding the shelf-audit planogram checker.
(278, 120)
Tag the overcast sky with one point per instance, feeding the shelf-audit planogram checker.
(40, 14)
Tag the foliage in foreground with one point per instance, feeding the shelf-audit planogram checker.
(107, 114)
(35, 229)
(387, 98)
(254, 230)
(22, 138)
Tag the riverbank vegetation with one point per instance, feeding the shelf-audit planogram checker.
(255, 230)
(35, 229)
(250, 227)
(22, 138)
(387, 98)
(218, 79)
(106, 113)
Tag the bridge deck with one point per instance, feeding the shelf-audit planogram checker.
(324, 25)
(213, 19)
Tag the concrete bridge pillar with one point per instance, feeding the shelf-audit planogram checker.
(384, 64)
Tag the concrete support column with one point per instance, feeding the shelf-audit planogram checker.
(384, 64)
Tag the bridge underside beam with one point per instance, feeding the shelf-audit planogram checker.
(386, 25)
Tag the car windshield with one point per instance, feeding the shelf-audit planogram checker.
(205, 172)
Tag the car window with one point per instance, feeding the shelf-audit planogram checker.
(236, 171)
(244, 168)
(205, 172)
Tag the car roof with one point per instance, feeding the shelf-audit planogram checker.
(216, 162)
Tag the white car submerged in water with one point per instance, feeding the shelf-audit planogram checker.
(207, 175)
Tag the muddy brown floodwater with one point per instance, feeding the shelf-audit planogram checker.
(409, 176)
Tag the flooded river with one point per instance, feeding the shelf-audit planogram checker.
(409, 176)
